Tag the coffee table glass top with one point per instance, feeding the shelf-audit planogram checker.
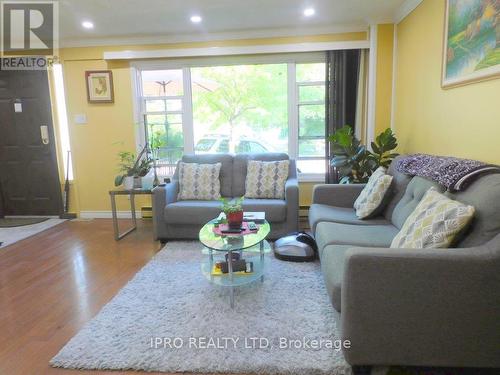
(232, 242)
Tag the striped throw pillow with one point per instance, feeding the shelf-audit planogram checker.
(266, 179)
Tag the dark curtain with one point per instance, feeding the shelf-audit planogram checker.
(342, 72)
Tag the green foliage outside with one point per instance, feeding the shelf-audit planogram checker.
(248, 100)
(231, 96)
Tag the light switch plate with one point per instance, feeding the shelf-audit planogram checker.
(81, 119)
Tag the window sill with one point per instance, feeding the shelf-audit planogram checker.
(311, 177)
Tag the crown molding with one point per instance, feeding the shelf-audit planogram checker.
(405, 9)
(235, 50)
(210, 37)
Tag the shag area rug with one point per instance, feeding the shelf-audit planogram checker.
(170, 318)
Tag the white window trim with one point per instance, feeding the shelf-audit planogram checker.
(291, 59)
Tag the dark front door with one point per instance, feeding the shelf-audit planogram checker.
(29, 180)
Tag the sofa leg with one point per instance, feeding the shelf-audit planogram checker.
(361, 370)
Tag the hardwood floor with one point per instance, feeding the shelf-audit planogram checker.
(53, 283)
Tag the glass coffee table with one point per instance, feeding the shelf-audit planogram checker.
(219, 247)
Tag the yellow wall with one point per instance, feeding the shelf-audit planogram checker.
(110, 127)
(385, 41)
(462, 121)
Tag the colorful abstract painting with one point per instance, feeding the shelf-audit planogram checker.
(471, 41)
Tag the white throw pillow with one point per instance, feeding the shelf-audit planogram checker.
(199, 181)
(372, 196)
(266, 179)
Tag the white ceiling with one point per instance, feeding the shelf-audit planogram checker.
(154, 21)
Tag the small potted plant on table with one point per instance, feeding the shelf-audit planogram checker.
(132, 170)
(234, 212)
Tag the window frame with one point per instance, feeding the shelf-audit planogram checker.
(291, 59)
(308, 176)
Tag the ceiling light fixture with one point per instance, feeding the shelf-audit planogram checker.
(87, 24)
(308, 12)
(195, 19)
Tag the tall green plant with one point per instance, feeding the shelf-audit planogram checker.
(354, 163)
(381, 149)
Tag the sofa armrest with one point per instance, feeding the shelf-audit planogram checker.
(431, 307)
(162, 195)
(292, 204)
(339, 195)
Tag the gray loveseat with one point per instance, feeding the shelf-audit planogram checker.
(173, 219)
(425, 307)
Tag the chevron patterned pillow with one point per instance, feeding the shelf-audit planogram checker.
(434, 223)
(372, 196)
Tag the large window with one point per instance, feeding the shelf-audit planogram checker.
(252, 107)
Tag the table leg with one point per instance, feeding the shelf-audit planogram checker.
(230, 269)
(262, 258)
(132, 210)
(118, 235)
(211, 254)
(115, 218)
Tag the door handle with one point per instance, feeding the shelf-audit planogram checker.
(44, 133)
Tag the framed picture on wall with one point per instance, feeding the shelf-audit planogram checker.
(471, 47)
(99, 86)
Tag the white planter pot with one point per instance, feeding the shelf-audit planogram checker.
(128, 183)
(147, 182)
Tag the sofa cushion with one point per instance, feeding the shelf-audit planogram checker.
(414, 193)
(435, 223)
(484, 195)
(354, 235)
(199, 181)
(192, 211)
(275, 209)
(332, 268)
(239, 172)
(398, 187)
(200, 212)
(345, 215)
(226, 171)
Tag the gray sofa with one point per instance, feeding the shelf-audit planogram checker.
(422, 307)
(173, 219)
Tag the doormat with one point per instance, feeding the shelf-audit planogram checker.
(21, 221)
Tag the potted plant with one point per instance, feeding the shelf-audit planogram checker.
(354, 163)
(126, 168)
(132, 170)
(234, 211)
